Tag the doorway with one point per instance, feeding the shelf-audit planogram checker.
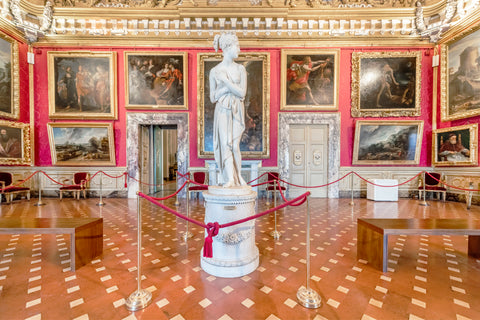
(158, 159)
(308, 147)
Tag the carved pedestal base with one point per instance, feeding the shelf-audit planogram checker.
(234, 250)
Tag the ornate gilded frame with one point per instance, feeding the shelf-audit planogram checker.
(368, 68)
(322, 86)
(80, 134)
(451, 52)
(383, 142)
(90, 59)
(12, 102)
(466, 135)
(258, 112)
(177, 102)
(21, 136)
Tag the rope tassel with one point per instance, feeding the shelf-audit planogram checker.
(212, 230)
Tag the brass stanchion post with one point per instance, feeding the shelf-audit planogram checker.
(177, 203)
(351, 191)
(306, 296)
(141, 298)
(39, 202)
(275, 234)
(187, 233)
(101, 203)
(424, 202)
(469, 196)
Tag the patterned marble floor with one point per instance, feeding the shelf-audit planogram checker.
(429, 277)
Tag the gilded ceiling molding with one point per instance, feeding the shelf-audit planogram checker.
(65, 21)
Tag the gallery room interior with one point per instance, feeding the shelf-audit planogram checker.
(123, 196)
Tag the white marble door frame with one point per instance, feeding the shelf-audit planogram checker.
(134, 121)
(332, 120)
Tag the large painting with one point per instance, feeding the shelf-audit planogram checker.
(81, 144)
(455, 146)
(387, 142)
(156, 80)
(15, 146)
(309, 80)
(386, 84)
(460, 85)
(82, 85)
(9, 78)
(254, 143)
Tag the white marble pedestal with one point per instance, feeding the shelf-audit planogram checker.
(234, 251)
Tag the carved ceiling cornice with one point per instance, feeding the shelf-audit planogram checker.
(273, 21)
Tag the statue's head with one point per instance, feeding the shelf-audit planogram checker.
(224, 40)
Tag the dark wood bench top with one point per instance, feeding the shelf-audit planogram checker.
(424, 226)
(67, 225)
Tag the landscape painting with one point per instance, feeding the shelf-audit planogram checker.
(81, 144)
(387, 142)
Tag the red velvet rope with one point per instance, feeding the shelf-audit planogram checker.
(212, 227)
(172, 195)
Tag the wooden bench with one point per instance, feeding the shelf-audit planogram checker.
(86, 234)
(372, 235)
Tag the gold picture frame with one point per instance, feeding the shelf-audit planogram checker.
(387, 142)
(309, 79)
(386, 84)
(82, 85)
(156, 80)
(15, 145)
(81, 144)
(460, 92)
(255, 142)
(455, 146)
(9, 81)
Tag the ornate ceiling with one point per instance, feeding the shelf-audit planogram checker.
(269, 22)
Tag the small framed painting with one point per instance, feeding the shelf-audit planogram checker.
(15, 146)
(82, 85)
(309, 80)
(81, 144)
(455, 146)
(156, 80)
(387, 142)
(386, 84)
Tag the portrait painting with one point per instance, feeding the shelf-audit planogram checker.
(254, 143)
(81, 144)
(15, 147)
(9, 78)
(156, 80)
(455, 146)
(460, 67)
(82, 85)
(309, 80)
(387, 142)
(386, 84)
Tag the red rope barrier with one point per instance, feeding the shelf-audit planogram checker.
(213, 227)
(172, 195)
(390, 186)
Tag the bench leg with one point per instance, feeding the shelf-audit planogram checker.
(474, 246)
(86, 244)
(372, 246)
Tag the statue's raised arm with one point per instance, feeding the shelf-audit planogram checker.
(228, 86)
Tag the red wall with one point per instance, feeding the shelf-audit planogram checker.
(42, 150)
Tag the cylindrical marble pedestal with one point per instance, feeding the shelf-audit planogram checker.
(234, 251)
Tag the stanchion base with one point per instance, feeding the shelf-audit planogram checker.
(176, 204)
(187, 235)
(101, 203)
(308, 298)
(351, 203)
(275, 234)
(138, 300)
(424, 203)
(38, 204)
